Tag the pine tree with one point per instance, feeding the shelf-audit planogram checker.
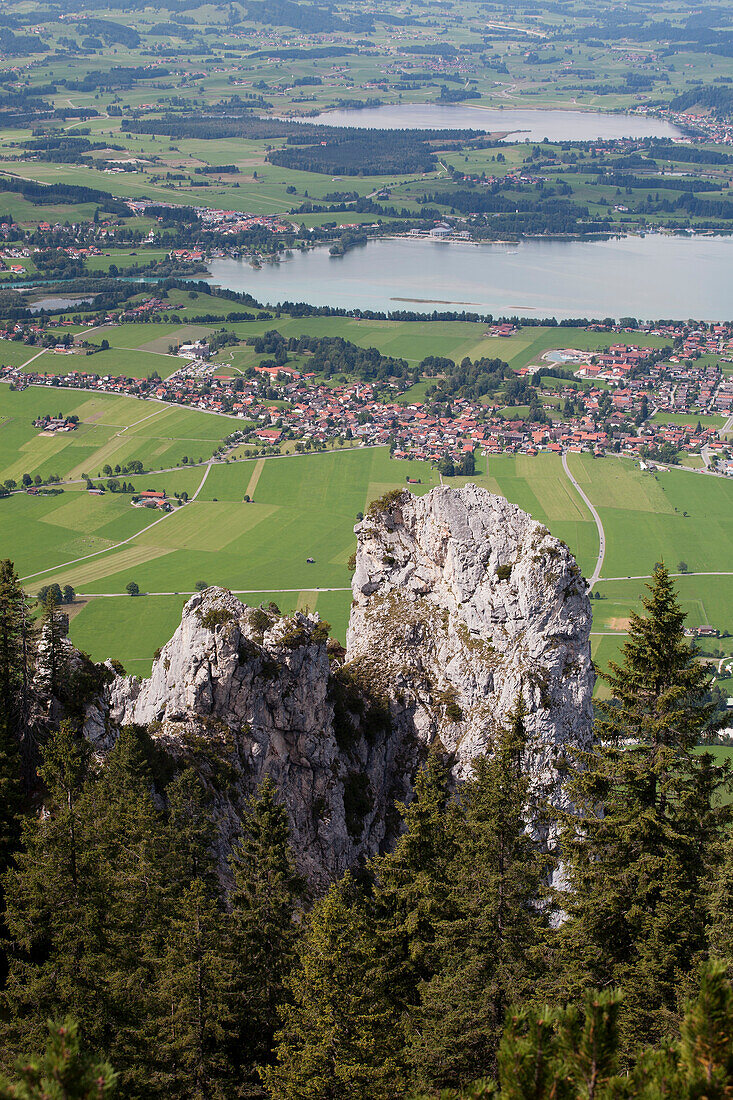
(647, 830)
(489, 943)
(261, 932)
(339, 1037)
(562, 1053)
(64, 1072)
(706, 1044)
(411, 886)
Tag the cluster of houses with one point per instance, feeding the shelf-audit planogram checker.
(223, 222)
(50, 425)
(629, 383)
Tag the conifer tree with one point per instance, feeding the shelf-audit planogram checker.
(411, 885)
(16, 636)
(706, 1043)
(647, 827)
(721, 909)
(489, 942)
(51, 633)
(261, 932)
(55, 906)
(338, 1039)
(194, 984)
(64, 1071)
(132, 858)
(191, 833)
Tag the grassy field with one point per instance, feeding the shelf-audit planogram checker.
(112, 430)
(306, 506)
(673, 515)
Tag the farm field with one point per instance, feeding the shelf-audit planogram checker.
(671, 514)
(113, 430)
(306, 506)
(410, 340)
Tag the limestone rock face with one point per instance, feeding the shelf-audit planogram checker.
(242, 694)
(461, 604)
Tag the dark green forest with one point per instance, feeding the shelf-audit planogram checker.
(465, 962)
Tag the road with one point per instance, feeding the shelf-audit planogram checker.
(235, 592)
(124, 542)
(601, 534)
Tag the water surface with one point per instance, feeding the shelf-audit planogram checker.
(648, 277)
(519, 123)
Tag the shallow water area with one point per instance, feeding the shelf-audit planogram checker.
(650, 277)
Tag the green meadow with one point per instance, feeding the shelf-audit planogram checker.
(305, 507)
(112, 430)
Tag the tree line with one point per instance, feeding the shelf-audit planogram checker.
(465, 962)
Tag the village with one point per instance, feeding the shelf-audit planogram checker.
(612, 401)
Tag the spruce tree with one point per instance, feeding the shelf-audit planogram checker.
(193, 990)
(411, 885)
(16, 638)
(132, 857)
(55, 906)
(261, 931)
(647, 827)
(64, 1072)
(339, 1038)
(490, 941)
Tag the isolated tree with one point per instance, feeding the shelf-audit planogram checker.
(261, 929)
(648, 826)
(132, 588)
(338, 1038)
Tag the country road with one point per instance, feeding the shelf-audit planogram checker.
(124, 542)
(601, 534)
(234, 591)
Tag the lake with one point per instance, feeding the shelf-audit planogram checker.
(521, 123)
(649, 277)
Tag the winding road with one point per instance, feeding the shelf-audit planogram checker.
(601, 533)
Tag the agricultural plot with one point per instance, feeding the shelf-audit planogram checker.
(112, 431)
(306, 506)
(675, 515)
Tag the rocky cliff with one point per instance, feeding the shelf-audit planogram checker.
(462, 603)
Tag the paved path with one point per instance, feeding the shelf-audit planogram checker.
(647, 577)
(235, 591)
(599, 525)
(207, 471)
(117, 545)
